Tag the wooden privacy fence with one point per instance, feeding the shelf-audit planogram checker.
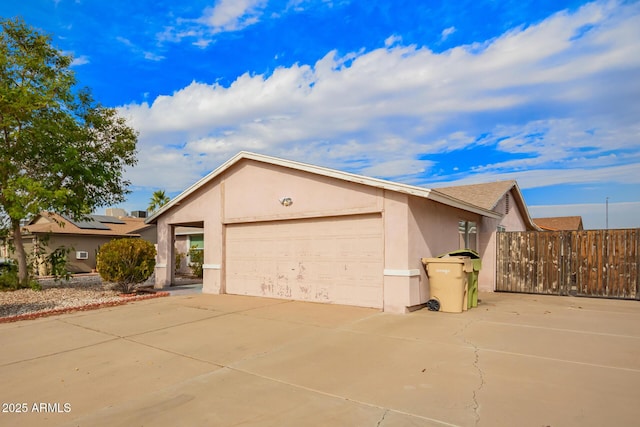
(594, 263)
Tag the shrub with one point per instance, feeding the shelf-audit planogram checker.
(196, 257)
(57, 262)
(9, 278)
(180, 256)
(126, 262)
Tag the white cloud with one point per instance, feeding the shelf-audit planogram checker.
(392, 40)
(80, 60)
(224, 16)
(153, 56)
(594, 215)
(447, 32)
(558, 97)
(150, 56)
(232, 15)
(544, 177)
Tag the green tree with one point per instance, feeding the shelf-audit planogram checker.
(158, 200)
(59, 150)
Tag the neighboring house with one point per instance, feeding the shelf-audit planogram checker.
(284, 229)
(560, 223)
(84, 238)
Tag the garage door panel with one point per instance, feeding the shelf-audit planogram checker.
(338, 260)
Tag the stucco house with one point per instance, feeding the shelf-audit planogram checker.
(83, 237)
(284, 229)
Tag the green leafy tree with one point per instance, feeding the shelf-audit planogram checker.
(158, 200)
(59, 150)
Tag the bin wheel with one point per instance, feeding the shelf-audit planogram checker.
(433, 305)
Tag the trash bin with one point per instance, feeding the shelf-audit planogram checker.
(472, 293)
(448, 282)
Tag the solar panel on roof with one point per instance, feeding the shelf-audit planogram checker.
(107, 219)
(88, 224)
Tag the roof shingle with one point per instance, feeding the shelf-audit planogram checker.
(559, 223)
(485, 196)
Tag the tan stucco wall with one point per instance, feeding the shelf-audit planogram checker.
(76, 243)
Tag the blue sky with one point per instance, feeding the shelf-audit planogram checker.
(430, 93)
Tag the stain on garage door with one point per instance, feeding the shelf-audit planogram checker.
(334, 260)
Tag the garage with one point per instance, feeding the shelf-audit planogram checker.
(279, 228)
(331, 260)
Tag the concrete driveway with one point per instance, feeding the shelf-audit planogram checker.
(223, 360)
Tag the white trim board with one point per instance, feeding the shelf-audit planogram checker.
(401, 273)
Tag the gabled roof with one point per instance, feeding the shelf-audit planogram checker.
(333, 173)
(488, 195)
(560, 223)
(93, 225)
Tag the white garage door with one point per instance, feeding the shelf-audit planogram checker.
(336, 260)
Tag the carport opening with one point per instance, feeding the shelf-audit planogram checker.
(187, 253)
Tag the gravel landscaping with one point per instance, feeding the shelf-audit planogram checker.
(80, 292)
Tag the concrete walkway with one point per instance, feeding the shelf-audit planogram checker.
(208, 360)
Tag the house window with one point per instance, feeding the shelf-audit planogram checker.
(196, 241)
(468, 232)
(501, 229)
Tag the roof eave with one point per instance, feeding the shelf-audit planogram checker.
(332, 173)
(523, 208)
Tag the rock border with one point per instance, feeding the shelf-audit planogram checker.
(87, 307)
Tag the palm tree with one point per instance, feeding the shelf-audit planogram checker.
(158, 200)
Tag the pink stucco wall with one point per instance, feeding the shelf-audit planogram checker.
(253, 192)
(433, 231)
(250, 192)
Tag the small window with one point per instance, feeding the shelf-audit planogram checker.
(501, 229)
(82, 255)
(196, 241)
(468, 232)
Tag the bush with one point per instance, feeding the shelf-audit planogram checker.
(9, 279)
(180, 256)
(126, 262)
(196, 257)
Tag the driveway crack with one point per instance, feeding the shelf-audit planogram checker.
(386, 411)
(476, 365)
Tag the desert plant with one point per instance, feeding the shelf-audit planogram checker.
(57, 261)
(196, 257)
(126, 263)
(180, 256)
